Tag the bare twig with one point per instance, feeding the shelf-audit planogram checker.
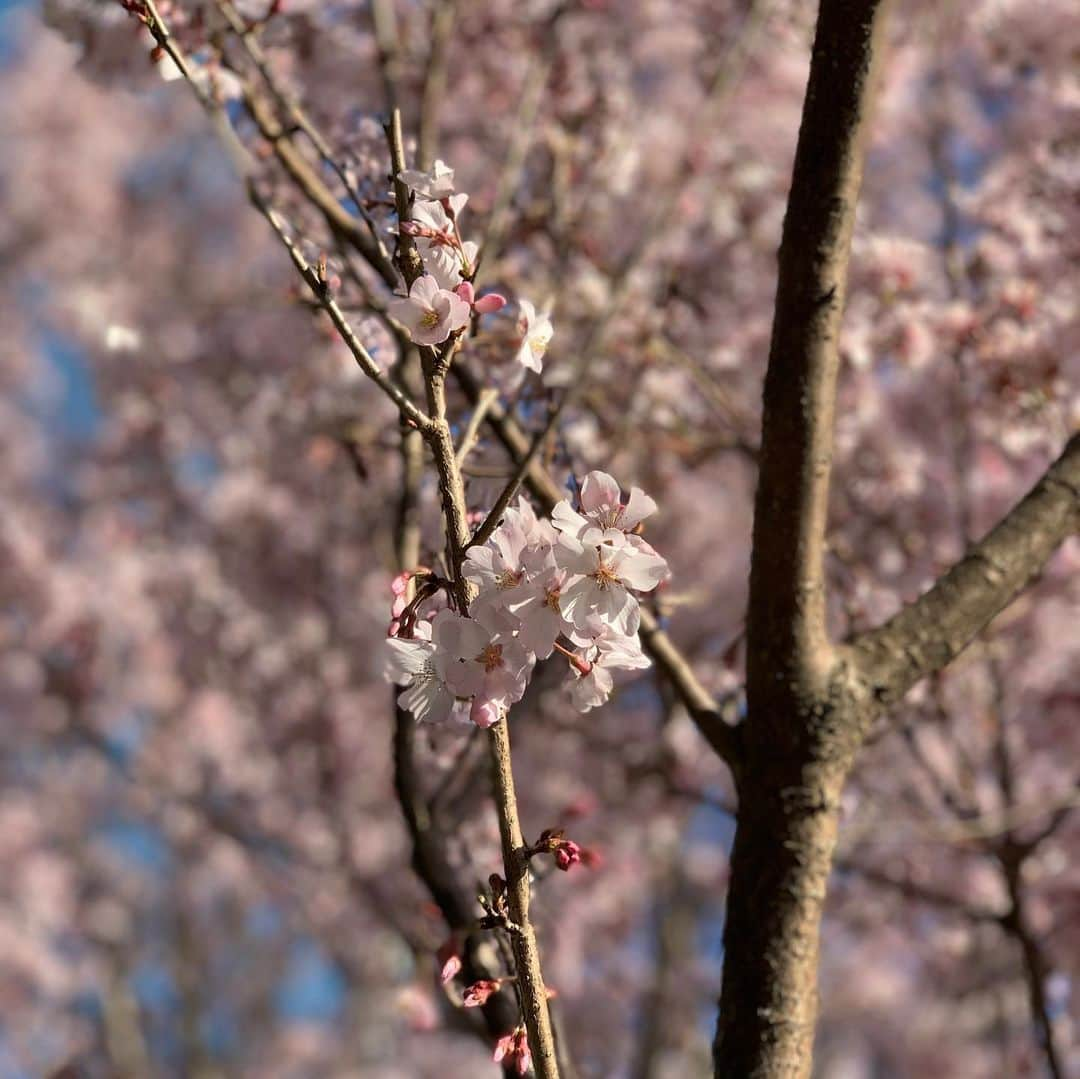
(326, 301)
(341, 222)
(470, 435)
(506, 495)
(298, 117)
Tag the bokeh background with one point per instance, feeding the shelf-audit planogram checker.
(203, 866)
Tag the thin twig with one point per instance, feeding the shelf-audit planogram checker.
(506, 496)
(530, 979)
(326, 301)
(470, 435)
(296, 114)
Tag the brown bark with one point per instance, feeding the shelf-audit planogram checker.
(779, 868)
(803, 712)
(927, 634)
(530, 978)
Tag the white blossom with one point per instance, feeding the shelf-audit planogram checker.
(426, 666)
(434, 185)
(603, 517)
(603, 578)
(535, 332)
(570, 587)
(430, 313)
(608, 653)
(444, 258)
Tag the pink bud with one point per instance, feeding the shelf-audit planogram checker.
(514, 1045)
(393, 629)
(400, 583)
(465, 291)
(489, 304)
(567, 854)
(524, 1057)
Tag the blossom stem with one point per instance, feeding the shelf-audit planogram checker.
(530, 978)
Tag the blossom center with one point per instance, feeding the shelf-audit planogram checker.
(509, 578)
(430, 318)
(604, 576)
(491, 657)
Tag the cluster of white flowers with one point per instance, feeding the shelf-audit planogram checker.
(442, 301)
(568, 585)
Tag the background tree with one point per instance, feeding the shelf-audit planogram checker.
(205, 872)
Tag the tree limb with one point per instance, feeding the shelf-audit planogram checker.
(927, 634)
(786, 624)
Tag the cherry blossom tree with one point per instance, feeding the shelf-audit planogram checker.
(383, 383)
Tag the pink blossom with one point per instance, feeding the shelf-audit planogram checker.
(445, 258)
(605, 654)
(486, 712)
(602, 580)
(540, 612)
(602, 510)
(430, 313)
(433, 670)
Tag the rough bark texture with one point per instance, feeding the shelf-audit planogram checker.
(530, 978)
(780, 866)
(802, 723)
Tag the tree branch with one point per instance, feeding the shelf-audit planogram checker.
(436, 363)
(304, 176)
(530, 979)
(927, 634)
(786, 624)
(298, 118)
(321, 292)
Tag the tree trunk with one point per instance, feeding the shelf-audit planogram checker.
(803, 720)
(779, 869)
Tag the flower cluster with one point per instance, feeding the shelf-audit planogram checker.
(569, 585)
(442, 301)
